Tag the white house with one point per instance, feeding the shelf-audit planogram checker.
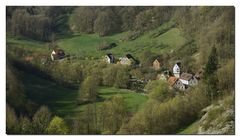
(109, 58)
(176, 70)
(125, 61)
(57, 54)
(188, 79)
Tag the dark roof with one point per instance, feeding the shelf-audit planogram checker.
(186, 76)
(129, 56)
(109, 55)
(158, 59)
(58, 51)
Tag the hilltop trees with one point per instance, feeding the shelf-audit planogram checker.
(196, 22)
(37, 22)
(82, 19)
(33, 26)
(106, 23)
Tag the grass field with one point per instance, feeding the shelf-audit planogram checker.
(87, 44)
(31, 45)
(62, 101)
(191, 129)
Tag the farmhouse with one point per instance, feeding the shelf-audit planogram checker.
(128, 60)
(157, 64)
(176, 69)
(125, 61)
(163, 75)
(57, 54)
(188, 79)
(176, 83)
(109, 58)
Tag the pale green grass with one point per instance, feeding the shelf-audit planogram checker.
(191, 129)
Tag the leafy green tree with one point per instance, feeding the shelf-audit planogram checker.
(112, 115)
(57, 126)
(88, 89)
(109, 75)
(82, 19)
(161, 92)
(144, 20)
(41, 120)
(210, 76)
(87, 121)
(106, 23)
(212, 63)
(122, 77)
(25, 125)
(128, 15)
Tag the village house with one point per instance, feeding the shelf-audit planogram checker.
(176, 83)
(127, 60)
(188, 79)
(163, 75)
(157, 64)
(176, 69)
(109, 58)
(57, 54)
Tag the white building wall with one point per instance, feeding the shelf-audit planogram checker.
(176, 71)
(184, 81)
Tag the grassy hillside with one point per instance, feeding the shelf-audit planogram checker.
(62, 100)
(87, 44)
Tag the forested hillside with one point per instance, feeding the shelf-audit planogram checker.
(109, 70)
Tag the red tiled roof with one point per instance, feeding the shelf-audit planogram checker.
(172, 80)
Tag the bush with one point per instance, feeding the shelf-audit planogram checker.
(11, 120)
(57, 127)
(161, 91)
